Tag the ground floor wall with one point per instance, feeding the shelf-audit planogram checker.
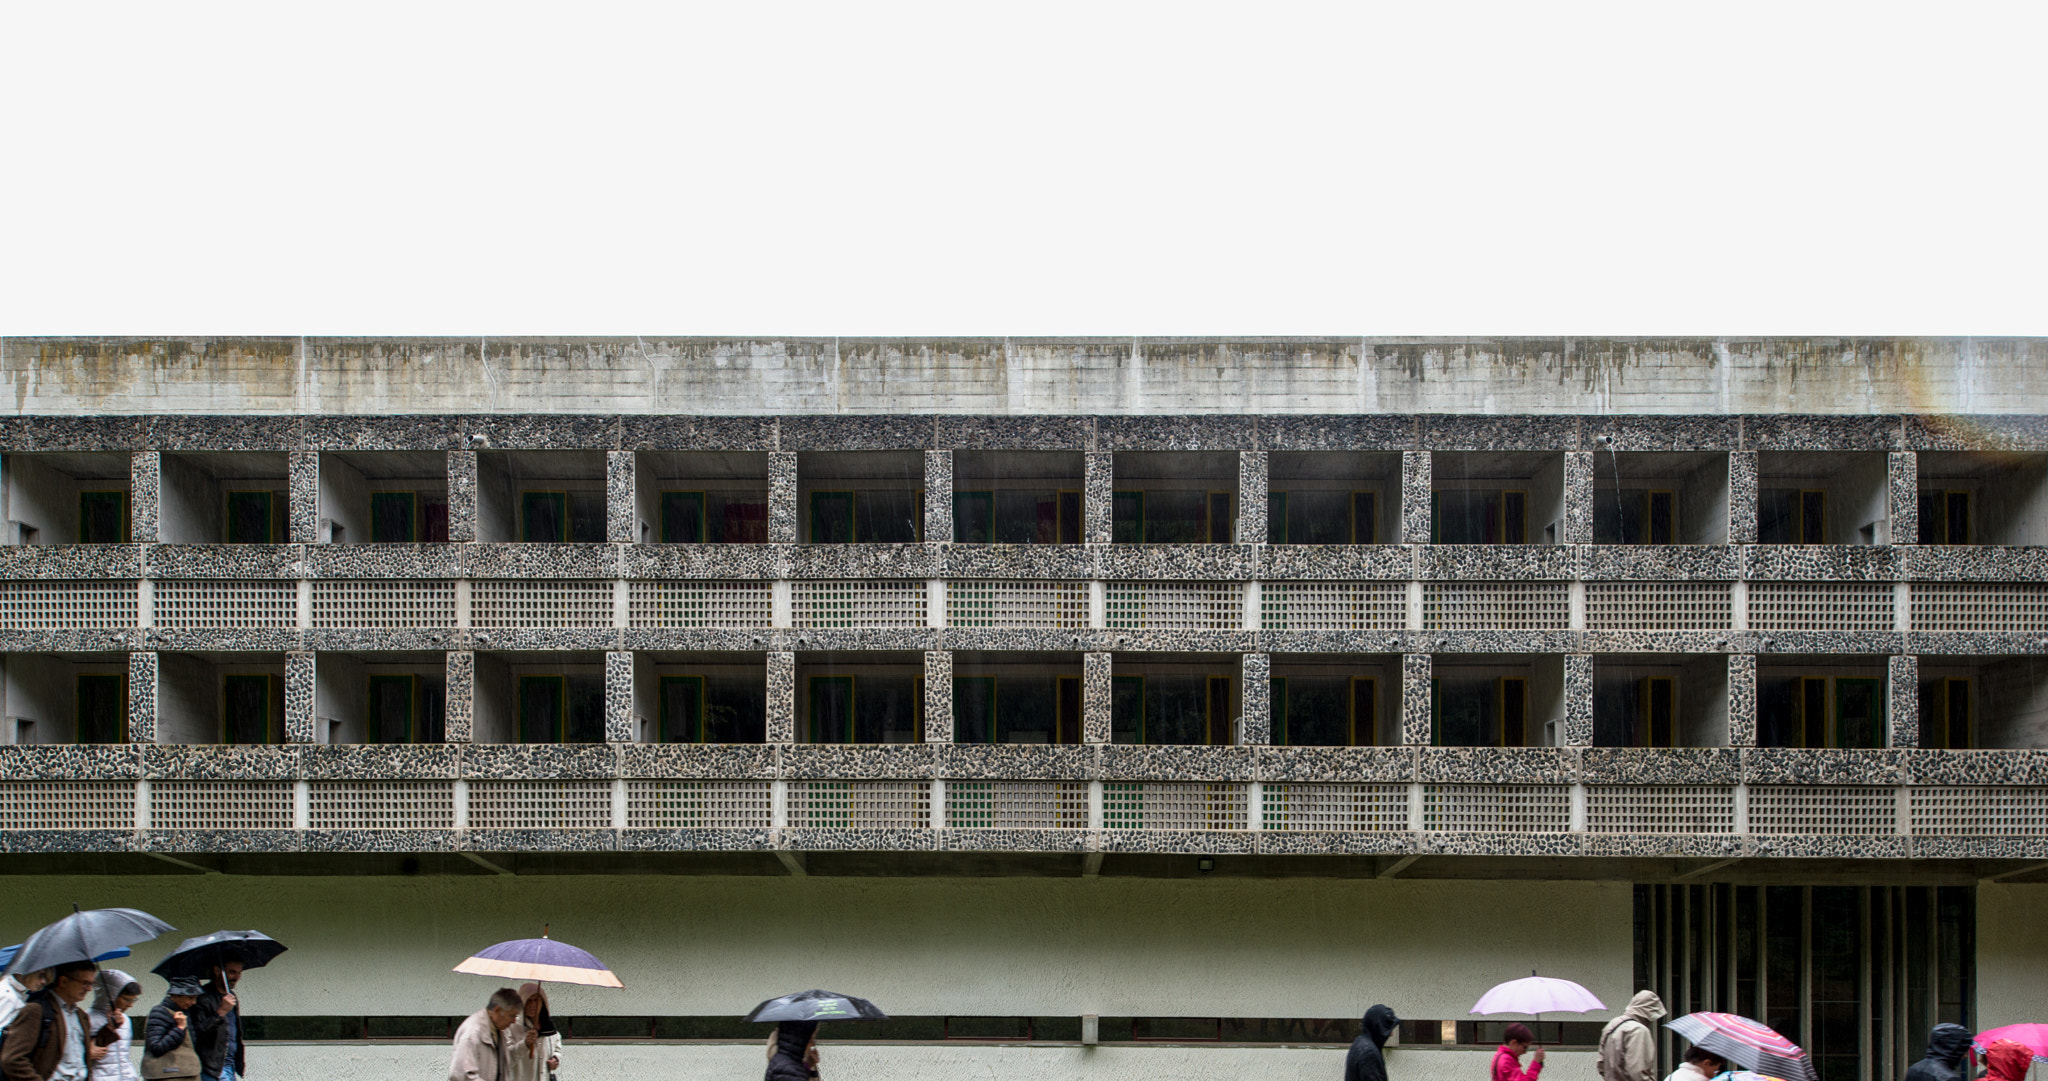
(2012, 954)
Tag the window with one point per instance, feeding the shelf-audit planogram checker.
(408, 517)
(1171, 517)
(103, 518)
(1479, 712)
(1791, 516)
(1944, 517)
(1324, 711)
(561, 709)
(1945, 715)
(974, 709)
(713, 518)
(102, 709)
(1479, 516)
(1657, 713)
(1171, 710)
(1016, 709)
(1321, 517)
(869, 516)
(1017, 516)
(867, 709)
(562, 517)
(254, 517)
(712, 709)
(406, 709)
(252, 709)
(1634, 516)
(1822, 711)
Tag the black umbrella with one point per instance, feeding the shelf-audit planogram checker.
(197, 957)
(83, 936)
(817, 1006)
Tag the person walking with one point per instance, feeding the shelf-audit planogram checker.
(169, 1028)
(793, 1051)
(1699, 1065)
(1628, 1045)
(1364, 1062)
(51, 1039)
(216, 1021)
(2007, 1060)
(535, 1042)
(482, 1052)
(15, 990)
(114, 995)
(1946, 1046)
(1507, 1062)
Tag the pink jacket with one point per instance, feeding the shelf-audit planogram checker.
(1507, 1067)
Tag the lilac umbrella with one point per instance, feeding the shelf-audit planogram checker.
(540, 960)
(1536, 995)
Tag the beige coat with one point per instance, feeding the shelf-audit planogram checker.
(481, 1052)
(1628, 1045)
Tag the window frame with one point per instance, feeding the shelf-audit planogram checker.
(412, 706)
(413, 515)
(811, 711)
(272, 721)
(561, 733)
(994, 692)
(121, 496)
(78, 706)
(661, 709)
(1644, 733)
(703, 515)
(228, 498)
(560, 497)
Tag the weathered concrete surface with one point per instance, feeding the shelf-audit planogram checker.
(1018, 376)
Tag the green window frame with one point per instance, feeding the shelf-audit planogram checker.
(981, 690)
(249, 518)
(394, 517)
(676, 509)
(99, 510)
(1127, 516)
(833, 516)
(974, 517)
(531, 688)
(534, 509)
(1276, 518)
(238, 687)
(818, 704)
(409, 691)
(690, 728)
(100, 685)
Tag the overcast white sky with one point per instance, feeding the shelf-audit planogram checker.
(1023, 168)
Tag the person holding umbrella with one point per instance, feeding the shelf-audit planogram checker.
(114, 995)
(1699, 1065)
(216, 1019)
(536, 1043)
(1507, 1062)
(793, 1050)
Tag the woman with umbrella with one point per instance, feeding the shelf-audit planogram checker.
(793, 1049)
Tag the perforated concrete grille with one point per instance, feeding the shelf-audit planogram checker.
(1980, 812)
(699, 604)
(1148, 805)
(859, 804)
(1821, 606)
(220, 805)
(395, 604)
(1980, 606)
(67, 805)
(1833, 811)
(1659, 606)
(1175, 606)
(381, 805)
(1333, 606)
(697, 805)
(1660, 809)
(1497, 808)
(1017, 805)
(879, 604)
(1344, 808)
(1050, 606)
(540, 805)
(262, 605)
(1496, 606)
(52, 606)
(508, 604)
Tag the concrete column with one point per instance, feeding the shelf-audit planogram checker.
(459, 710)
(1904, 700)
(462, 496)
(1417, 482)
(1095, 687)
(1416, 672)
(781, 694)
(1255, 711)
(299, 688)
(1742, 700)
(1578, 497)
(304, 515)
(938, 696)
(621, 497)
(938, 497)
(142, 697)
(1578, 700)
(1098, 488)
(145, 496)
(1742, 497)
(782, 517)
(1252, 510)
(618, 697)
(1904, 479)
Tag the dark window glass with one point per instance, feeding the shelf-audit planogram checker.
(394, 517)
(1176, 517)
(1070, 517)
(1221, 520)
(831, 517)
(682, 709)
(103, 517)
(1176, 710)
(1127, 709)
(1812, 517)
(1027, 709)
(1276, 518)
(434, 519)
(735, 709)
(586, 517)
(1859, 713)
(1813, 713)
(245, 709)
(682, 517)
(1316, 517)
(887, 709)
(1127, 517)
(1070, 710)
(1956, 716)
(1778, 713)
(1957, 519)
(1514, 712)
(541, 706)
(1465, 516)
(1025, 517)
(1365, 518)
(586, 709)
(1777, 516)
(391, 709)
(1663, 518)
(1466, 712)
(102, 709)
(737, 519)
(1318, 711)
(249, 518)
(974, 709)
(1514, 518)
(543, 517)
(432, 718)
(1930, 517)
(831, 709)
(1659, 712)
(888, 517)
(974, 517)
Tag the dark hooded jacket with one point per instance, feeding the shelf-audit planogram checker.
(1365, 1063)
(787, 1064)
(1944, 1061)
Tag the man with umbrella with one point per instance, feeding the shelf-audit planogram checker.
(216, 1019)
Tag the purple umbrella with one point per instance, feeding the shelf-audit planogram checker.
(1536, 995)
(540, 960)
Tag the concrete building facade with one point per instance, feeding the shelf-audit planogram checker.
(1099, 707)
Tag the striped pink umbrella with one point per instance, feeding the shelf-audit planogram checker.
(1746, 1043)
